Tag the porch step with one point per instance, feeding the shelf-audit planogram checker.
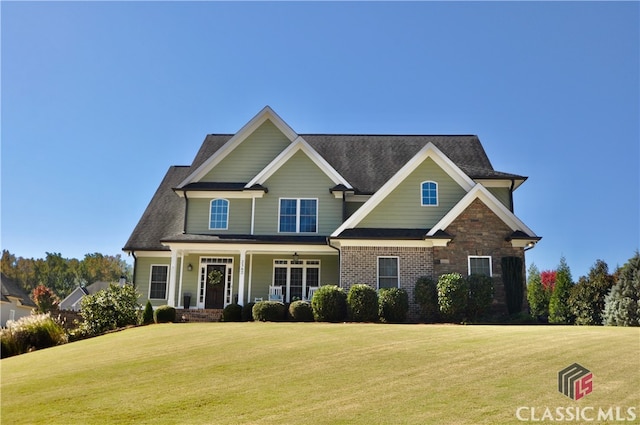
(199, 315)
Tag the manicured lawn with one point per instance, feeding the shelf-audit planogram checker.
(314, 373)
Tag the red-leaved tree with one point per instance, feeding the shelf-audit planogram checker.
(548, 279)
(45, 299)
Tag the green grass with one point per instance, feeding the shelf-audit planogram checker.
(313, 373)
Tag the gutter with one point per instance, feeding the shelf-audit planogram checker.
(513, 183)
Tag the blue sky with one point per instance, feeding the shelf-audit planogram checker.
(99, 99)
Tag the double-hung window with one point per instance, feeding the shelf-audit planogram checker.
(429, 193)
(298, 216)
(158, 282)
(388, 276)
(479, 264)
(219, 214)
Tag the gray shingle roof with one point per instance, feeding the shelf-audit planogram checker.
(365, 161)
(11, 288)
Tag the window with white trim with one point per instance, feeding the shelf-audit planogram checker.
(298, 216)
(429, 193)
(158, 282)
(480, 264)
(388, 275)
(219, 214)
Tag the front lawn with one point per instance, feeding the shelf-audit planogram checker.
(317, 373)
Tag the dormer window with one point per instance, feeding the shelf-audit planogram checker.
(429, 192)
(219, 215)
(298, 216)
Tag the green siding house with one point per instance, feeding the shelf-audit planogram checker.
(269, 207)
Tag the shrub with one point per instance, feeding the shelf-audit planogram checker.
(622, 304)
(232, 313)
(329, 304)
(513, 283)
(269, 311)
(393, 305)
(164, 314)
(362, 303)
(453, 294)
(480, 296)
(31, 333)
(112, 308)
(301, 311)
(426, 296)
(247, 313)
(147, 315)
(45, 299)
(559, 311)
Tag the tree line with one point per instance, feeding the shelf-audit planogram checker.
(600, 298)
(63, 275)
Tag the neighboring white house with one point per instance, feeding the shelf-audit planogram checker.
(14, 302)
(73, 300)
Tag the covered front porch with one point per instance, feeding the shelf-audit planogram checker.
(210, 276)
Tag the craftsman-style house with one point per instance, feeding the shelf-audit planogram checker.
(269, 207)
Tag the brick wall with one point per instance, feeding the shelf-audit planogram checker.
(360, 265)
(193, 315)
(477, 231)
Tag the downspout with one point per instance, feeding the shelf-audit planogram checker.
(513, 183)
(135, 267)
(186, 211)
(339, 259)
(344, 206)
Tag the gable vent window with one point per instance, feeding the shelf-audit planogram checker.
(429, 191)
(298, 216)
(480, 265)
(219, 214)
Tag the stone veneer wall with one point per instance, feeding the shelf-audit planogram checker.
(360, 265)
(199, 315)
(478, 231)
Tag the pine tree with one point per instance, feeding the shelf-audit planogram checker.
(538, 305)
(622, 305)
(559, 310)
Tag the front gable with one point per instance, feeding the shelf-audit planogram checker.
(247, 152)
(298, 178)
(402, 208)
(428, 159)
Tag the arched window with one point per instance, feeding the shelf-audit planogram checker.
(429, 191)
(219, 214)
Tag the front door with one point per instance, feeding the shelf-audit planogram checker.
(214, 284)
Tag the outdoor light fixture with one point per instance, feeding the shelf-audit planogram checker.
(295, 257)
(189, 267)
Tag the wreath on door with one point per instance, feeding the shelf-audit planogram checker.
(215, 277)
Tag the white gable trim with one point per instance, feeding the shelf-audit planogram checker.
(298, 145)
(265, 114)
(428, 151)
(480, 192)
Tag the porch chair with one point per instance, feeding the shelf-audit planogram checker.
(275, 293)
(312, 290)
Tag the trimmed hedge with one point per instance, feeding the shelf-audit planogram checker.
(362, 302)
(301, 311)
(480, 296)
(393, 305)
(247, 312)
(232, 313)
(147, 315)
(269, 311)
(329, 304)
(426, 296)
(453, 295)
(164, 314)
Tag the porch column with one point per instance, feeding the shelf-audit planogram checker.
(243, 255)
(173, 268)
